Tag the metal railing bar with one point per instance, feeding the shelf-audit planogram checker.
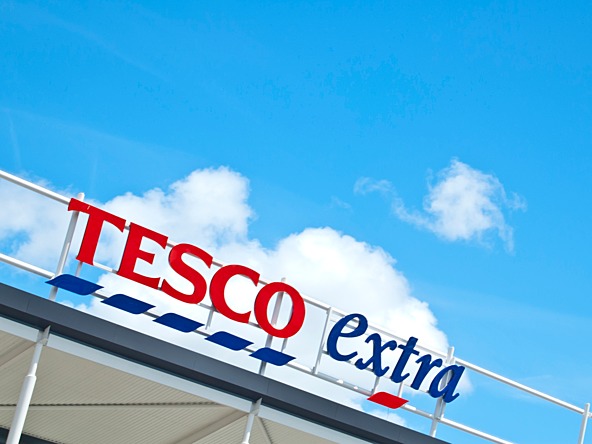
(26, 266)
(342, 383)
(105, 268)
(520, 386)
(473, 431)
(34, 187)
(417, 411)
(300, 367)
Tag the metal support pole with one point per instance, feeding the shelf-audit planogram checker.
(250, 420)
(315, 369)
(78, 269)
(22, 406)
(66, 247)
(210, 317)
(584, 423)
(274, 319)
(440, 404)
(376, 382)
(400, 391)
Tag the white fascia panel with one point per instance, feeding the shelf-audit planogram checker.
(18, 329)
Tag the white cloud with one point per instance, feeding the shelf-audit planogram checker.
(365, 185)
(338, 203)
(209, 209)
(32, 228)
(464, 204)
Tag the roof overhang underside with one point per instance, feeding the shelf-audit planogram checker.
(99, 382)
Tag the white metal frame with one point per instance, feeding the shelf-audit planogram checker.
(437, 417)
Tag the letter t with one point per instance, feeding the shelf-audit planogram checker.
(96, 217)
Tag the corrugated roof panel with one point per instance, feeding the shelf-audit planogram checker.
(67, 379)
(81, 402)
(120, 425)
(232, 433)
(15, 358)
(279, 433)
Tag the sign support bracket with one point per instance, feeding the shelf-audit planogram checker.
(66, 247)
(584, 423)
(440, 404)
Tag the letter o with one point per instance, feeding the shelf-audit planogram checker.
(298, 309)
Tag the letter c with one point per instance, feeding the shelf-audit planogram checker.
(218, 287)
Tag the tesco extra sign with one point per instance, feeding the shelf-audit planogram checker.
(443, 384)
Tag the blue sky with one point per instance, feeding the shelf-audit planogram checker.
(305, 99)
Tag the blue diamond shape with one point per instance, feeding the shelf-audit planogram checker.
(272, 356)
(74, 284)
(228, 340)
(178, 322)
(127, 303)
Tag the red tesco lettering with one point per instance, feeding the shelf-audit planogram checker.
(133, 253)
